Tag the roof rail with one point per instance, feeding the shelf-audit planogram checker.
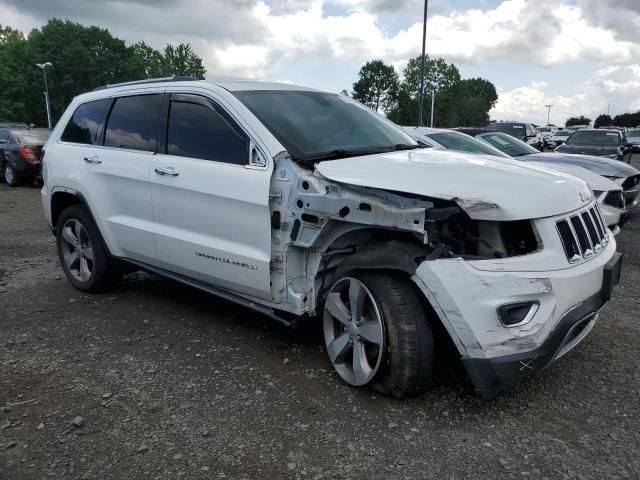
(175, 78)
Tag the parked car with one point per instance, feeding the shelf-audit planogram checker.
(633, 137)
(599, 142)
(546, 132)
(525, 132)
(20, 153)
(573, 128)
(608, 193)
(557, 138)
(307, 204)
(620, 173)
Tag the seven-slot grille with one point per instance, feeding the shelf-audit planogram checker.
(583, 234)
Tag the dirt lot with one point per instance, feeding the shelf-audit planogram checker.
(165, 382)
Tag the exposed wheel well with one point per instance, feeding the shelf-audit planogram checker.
(61, 201)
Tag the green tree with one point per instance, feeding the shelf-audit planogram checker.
(145, 61)
(181, 60)
(440, 77)
(581, 120)
(602, 120)
(82, 57)
(378, 85)
(13, 64)
(627, 120)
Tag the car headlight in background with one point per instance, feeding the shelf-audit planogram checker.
(615, 156)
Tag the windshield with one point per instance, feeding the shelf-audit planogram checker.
(515, 129)
(594, 138)
(544, 129)
(562, 134)
(319, 126)
(463, 143)
(507, 144)
(33, 136)
(635, 134)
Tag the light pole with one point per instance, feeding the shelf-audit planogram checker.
(43, 67)
(548, 107)
(424, 40)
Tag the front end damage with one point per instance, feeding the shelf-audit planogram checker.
(504, 290)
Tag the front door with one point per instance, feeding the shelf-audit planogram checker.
(211, 209)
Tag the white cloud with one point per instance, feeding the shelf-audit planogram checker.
(615, 86)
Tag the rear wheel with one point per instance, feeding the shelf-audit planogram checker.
(84, 258)
(10, 175)
(377, 333)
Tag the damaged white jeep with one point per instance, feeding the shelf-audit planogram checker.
(305, 204)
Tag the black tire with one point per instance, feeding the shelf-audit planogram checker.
(105, 273)
(408, 359)
(404, 363)
(10, 175)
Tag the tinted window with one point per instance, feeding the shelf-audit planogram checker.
(594, 138)
(515, 129)
(635, 134)
(85, 123)
(134, 123)
(4, 135)
(199, 131)
(310, 124)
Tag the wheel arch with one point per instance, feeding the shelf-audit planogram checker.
(63, 198)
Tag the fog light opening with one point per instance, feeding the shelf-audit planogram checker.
(516, 314)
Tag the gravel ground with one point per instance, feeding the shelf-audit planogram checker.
(158, 380)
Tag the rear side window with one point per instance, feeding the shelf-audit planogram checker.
(134, 123)
(84, 126)
(4, 136)
(199, 131)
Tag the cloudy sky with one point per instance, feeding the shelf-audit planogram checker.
(582, 56)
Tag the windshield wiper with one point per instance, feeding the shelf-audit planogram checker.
(344, 153)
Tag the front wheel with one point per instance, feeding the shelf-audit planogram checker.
(377, 333)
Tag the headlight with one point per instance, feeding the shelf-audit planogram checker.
(614, 156)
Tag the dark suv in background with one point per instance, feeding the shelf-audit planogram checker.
(611, 143)
(522, 131)
(21, 152)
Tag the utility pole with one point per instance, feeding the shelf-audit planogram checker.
(43, 67)
(548, 112)
(433, 101)
(424, 40)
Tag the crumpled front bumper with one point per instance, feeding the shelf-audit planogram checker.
(466, 299)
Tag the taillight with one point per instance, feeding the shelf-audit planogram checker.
(29, 154)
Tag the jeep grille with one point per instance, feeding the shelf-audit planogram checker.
(583, 234)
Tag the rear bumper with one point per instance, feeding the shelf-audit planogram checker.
(491, 375)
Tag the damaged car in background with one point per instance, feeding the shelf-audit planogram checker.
(306, 204)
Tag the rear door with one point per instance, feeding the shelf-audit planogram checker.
(112, 142)
(210, 205)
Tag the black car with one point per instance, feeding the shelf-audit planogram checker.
(624, 175)
(610, 143)
(21, 153)
(525, 132)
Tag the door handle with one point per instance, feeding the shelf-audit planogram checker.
(167, 171)
(94, 159)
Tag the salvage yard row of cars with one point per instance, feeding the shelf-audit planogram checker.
(305, 204)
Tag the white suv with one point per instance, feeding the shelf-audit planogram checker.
(301, 203)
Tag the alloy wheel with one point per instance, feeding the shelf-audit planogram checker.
(77, 250)
(353, 331)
